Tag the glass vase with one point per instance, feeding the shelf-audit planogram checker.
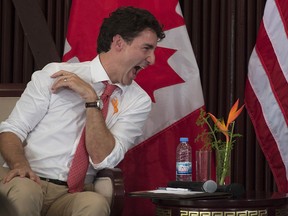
(223, 167)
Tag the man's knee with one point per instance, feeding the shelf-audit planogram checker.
(26, 195)
(92, 203)
(88, 204)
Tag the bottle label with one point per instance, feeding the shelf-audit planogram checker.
(183, 168)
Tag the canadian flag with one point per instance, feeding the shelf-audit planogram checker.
(173, 84)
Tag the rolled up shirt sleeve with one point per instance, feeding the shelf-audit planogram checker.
(29, 109)
(126, 125)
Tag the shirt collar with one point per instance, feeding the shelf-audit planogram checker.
(98, 73)
(101, 74)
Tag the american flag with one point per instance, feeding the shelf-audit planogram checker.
(266, 93)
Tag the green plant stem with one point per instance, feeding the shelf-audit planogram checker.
(214, 136)
(226, 156)
(225, 164)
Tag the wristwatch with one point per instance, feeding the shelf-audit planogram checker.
(97, 104)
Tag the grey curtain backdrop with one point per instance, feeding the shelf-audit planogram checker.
(222, 34)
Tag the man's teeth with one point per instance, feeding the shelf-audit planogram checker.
(138, 68)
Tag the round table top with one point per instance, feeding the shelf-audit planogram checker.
(248, 199)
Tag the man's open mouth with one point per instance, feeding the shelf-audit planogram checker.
(138, 68)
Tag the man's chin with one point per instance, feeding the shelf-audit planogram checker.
(129, 82)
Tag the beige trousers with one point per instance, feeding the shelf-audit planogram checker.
(48, 199)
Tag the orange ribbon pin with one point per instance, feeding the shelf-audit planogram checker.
(114, 102)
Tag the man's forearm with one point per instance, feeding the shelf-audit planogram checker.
(12, 150)
(99, 140)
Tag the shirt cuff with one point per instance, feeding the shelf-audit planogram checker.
(109, 161)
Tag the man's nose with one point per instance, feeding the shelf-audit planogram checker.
(151, 58)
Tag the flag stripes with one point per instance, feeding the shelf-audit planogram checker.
(268, 58)
(283, 12)
(266, 89)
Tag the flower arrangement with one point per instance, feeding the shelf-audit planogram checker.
(213, 138)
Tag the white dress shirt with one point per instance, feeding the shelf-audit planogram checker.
(51, 124)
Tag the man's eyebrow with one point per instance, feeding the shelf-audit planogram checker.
(150, 46)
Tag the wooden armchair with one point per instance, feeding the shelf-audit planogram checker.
(108, 182)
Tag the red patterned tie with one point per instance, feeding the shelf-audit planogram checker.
(109, 89)
(80, 163)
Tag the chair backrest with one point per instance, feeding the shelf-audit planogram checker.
(6, 106)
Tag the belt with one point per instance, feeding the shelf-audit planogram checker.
(54, 181)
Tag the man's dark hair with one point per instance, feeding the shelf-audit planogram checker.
(127, 22)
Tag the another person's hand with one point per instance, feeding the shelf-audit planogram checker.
(65, 79)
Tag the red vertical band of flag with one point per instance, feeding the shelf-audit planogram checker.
(173, 84)
(266, 89)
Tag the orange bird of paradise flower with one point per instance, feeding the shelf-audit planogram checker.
(233, 114)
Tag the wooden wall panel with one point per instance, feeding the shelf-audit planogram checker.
(17, 61)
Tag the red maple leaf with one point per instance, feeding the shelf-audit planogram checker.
(84, 24)
(160, 74)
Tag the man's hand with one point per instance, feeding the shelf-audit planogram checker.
(23, 172)
(12, 151)
(65, 79)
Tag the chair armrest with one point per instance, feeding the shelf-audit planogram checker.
(116, 189)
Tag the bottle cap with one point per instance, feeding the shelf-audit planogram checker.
(184, 139)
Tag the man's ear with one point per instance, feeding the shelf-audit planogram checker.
(118, 42)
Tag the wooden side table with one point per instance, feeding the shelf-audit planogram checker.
(252, 204)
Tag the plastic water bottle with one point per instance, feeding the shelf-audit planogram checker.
(183, 161)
